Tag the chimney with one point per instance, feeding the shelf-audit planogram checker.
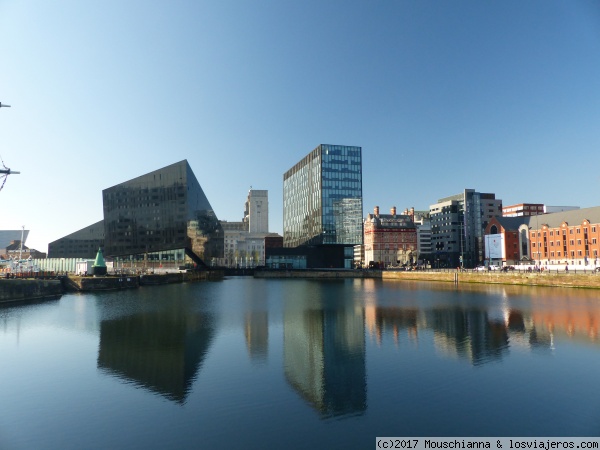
(393, 211)
(377, 211)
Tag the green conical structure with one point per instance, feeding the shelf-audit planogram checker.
(99, 267)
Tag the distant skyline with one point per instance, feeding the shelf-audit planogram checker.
(500, 97)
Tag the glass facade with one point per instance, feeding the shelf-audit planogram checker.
(458, 224)
(160, 211)
(322, 198)
(81, 244)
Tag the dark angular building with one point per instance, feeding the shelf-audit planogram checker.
(160, 216)
(164, 210)
(81, 244)
(132, 349)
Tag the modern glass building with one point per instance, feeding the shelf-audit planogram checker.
(322, 198)
(161, 214)
(81, 244)
(457, 227)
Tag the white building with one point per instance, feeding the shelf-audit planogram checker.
(244, 242)
(256, 213)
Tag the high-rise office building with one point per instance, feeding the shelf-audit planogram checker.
(457, 227)
(322, 198)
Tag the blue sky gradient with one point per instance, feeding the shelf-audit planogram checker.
(500, 97)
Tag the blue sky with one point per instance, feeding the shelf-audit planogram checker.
(499, 96)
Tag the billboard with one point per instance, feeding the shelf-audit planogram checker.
(494, 246)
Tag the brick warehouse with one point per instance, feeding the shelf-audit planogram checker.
(567, 237)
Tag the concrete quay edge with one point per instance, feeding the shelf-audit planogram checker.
(586, 281)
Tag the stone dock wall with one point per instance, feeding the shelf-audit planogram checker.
(315, 273)
(14, 290)
(27, 290)
(579, 280)
(560, 279)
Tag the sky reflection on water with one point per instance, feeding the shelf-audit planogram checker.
(309, 363)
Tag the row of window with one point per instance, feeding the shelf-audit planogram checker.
(571, 242)
(565, 254)
(564, 232)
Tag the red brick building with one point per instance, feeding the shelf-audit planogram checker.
(390, 239)
(567, 237)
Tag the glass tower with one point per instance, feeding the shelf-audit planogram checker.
(322, 198)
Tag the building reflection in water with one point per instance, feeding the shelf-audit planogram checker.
(324, 356)
(256, 332)
(483, 330)
(158, 351)
(468, 334)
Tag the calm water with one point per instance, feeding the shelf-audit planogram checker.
(246, 363)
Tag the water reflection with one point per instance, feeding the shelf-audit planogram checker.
(160, 350)
(324, 351)
(256, 332)
(265, 361)
(482, 329)
(468, 334)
